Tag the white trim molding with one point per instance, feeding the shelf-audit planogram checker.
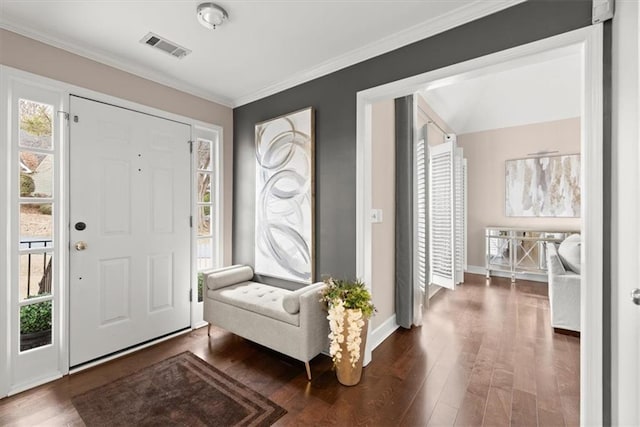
(9, 75)
(625, 211)
(5, 168)
(384, 331)
(462, 15)
(587, 42)
(115, 62)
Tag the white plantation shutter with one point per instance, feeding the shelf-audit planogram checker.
(420, 203)
(459, 215)
(447, 213)
(441, 211)
(464, 213)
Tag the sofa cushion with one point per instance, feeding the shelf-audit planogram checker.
(229, 276)
(554, 264)
(569, 252)
(258, 298)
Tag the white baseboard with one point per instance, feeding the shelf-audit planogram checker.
(474, 269)
(382, 332)
(19, 388)
(200, 324)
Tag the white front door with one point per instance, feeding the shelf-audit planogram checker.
(129, 228)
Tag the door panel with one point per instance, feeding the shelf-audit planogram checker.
(114, 290)
(115, 187)
(130, 185)
(160, 282)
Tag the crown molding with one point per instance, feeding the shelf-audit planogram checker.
(109, 60)
(426, 29)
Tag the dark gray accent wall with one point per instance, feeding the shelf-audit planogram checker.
(334, 99)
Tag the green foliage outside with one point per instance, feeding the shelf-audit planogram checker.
(35, 119)
(45, 209)
(35, 317)
(353, 294)
(200, 286)
(207, 198)
(27, 186)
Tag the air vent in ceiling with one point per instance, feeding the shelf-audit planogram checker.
(165, 45)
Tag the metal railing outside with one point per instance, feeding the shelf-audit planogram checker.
(44, 286)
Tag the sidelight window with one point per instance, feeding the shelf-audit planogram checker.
(207, 209)
(36, 202)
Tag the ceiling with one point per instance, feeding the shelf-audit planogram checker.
(542, 90)
(266, 46)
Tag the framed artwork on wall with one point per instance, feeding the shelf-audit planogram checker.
(284, 224)
(547, 186)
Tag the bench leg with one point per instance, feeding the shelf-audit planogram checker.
(306, 365)
(209, 330)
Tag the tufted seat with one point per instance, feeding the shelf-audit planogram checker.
(258, 298)
(291, 322)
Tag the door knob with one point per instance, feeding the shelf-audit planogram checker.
(635, 296)
(81, 246)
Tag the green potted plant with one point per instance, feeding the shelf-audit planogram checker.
(350, 307)
(35, 325)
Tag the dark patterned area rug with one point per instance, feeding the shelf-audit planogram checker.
(180, 391)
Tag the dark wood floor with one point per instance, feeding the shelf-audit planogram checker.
(486, 355)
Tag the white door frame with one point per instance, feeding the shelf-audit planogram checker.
(4, 243)
(213, 133)
(625, 230)
(589, 42)
(9, 74)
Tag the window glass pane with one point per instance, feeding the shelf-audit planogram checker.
(36, 273)
(36, 174)
(204, 253)
(204, 220)
(201, 286)
(36, 224)
(204, 154)
(204, 188)
(36, 125)
(35, 325)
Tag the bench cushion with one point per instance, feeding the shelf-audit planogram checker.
(256, 297)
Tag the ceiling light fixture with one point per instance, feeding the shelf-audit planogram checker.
(210, 15)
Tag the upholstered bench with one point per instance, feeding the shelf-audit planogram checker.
(290, 322)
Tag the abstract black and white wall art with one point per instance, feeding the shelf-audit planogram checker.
(543, 186)
(285, 197)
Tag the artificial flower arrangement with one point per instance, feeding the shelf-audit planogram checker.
(348, 301)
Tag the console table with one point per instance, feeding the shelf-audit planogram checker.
(516, 250)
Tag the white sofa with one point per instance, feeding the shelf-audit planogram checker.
(564, 291)
(291, 322)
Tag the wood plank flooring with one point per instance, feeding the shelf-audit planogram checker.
(486, 355)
